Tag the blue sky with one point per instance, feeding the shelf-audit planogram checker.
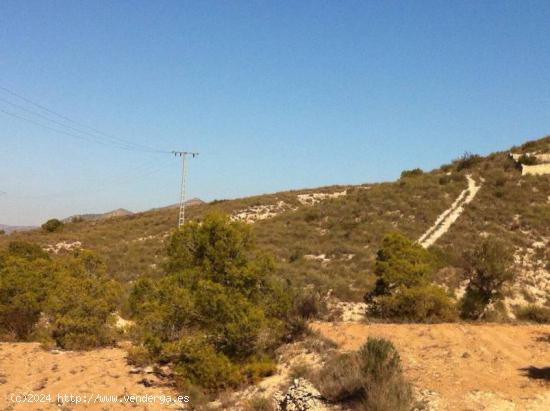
(274, 94)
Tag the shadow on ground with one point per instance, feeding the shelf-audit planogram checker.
(537, 373)
(543, 338)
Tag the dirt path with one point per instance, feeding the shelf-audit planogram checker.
(26, 368)
(449, 216)
(469, 367)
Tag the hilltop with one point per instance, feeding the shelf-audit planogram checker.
(328, 237)
(119, 212)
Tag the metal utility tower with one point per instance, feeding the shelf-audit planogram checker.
(183, 155)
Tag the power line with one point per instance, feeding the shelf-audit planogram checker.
(146, 171)
(28, 120)
(97, 134)
(91, 137)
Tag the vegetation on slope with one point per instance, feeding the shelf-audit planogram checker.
(346, 231)
(67, 301)
(217, 313)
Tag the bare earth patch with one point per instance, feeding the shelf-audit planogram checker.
(467, 366)
(27, 368)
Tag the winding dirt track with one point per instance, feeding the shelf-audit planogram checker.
(469, 367)
(449, 216)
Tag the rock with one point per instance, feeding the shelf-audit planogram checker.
(300, 396)
(147, 382)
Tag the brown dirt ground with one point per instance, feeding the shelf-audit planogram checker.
(26, 368)
(469, 367)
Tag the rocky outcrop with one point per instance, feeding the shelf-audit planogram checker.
(260, 212)
(310, 199)
(300, 396)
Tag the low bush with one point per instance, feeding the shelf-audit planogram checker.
(369, 379)
(487, 268)
(418, 304)
(467, 160)
(341, 379)
(527, 160)
(534, 314)
(415, 172)
(258, 403)
(67, 301)
(52, 225)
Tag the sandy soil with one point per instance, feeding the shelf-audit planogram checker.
(468, 367)
(27, 368)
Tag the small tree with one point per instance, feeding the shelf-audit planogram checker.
(52, 225)
(400, 263)
(487, 269)
(403, 290)
(216, 307)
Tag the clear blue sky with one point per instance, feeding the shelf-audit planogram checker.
(274, 94)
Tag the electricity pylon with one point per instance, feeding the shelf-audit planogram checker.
(183, 155)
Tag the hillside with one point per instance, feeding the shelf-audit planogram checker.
(119, 212)
(328, 236)
(11, 228)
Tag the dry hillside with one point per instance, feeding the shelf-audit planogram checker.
(328, 236)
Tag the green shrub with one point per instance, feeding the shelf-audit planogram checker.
(26, 250)
(342, 379)
(300, 370)
(487, 269)
(198, 362)
(259, 367)
(218, 288)
(467, 160)
(534, 314)
(23, 289)
(403, 290)
(81, 302)
(418, 304)
(415, 172)
(69, 298)
(401, 262)
(52, 225)
(258, 403)
(384, 383)
(527, 160)
(370, 379)
(445, 179)
(309, 304)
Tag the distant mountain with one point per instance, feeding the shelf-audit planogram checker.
(11, 228)
(119, 212)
